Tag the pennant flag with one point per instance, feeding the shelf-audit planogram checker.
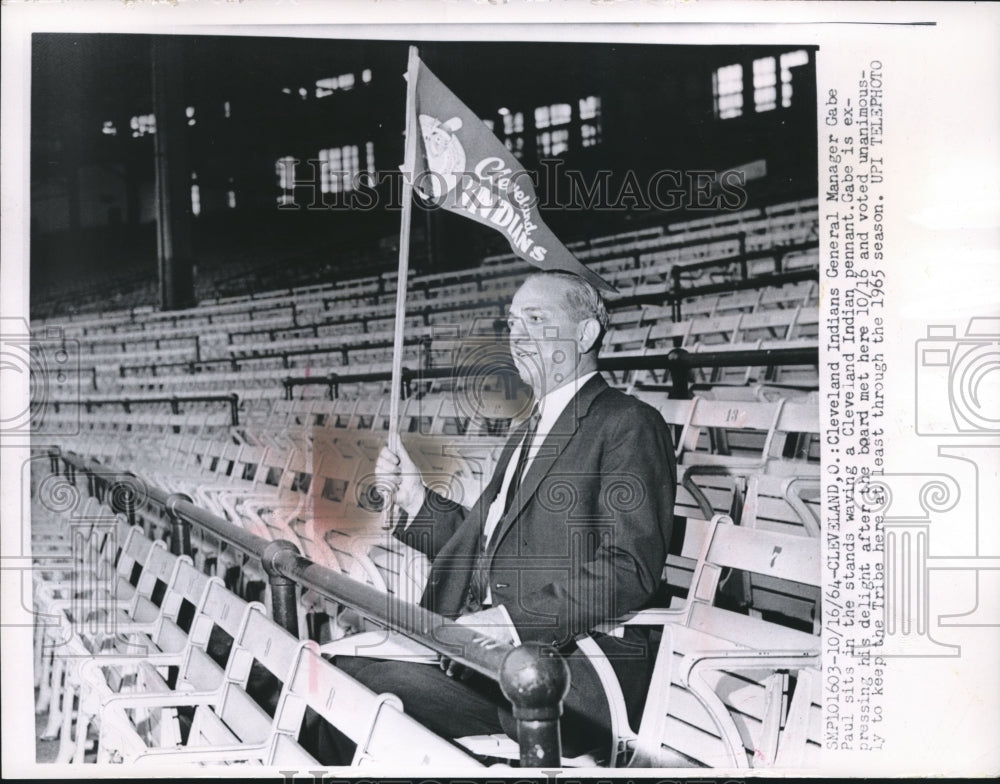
(462, 167)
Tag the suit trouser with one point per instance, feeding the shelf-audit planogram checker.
(454, 707)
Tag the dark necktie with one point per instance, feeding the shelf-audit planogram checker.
(480, 572)
(522, 459)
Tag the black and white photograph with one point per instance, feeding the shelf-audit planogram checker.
(403, 400)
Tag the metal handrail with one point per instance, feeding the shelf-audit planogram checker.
(232, 400)
(532, 676)
(677, 362)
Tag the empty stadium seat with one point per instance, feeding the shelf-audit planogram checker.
(721, 677)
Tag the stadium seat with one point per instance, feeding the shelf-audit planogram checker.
(721, 679)
(130, 724)
(98, 678)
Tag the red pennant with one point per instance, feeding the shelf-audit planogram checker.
(462, 167)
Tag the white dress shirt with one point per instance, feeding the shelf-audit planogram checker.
(549, 409)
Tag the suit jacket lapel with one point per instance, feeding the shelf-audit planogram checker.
(563, 430)
(446, 590)
(493, 487)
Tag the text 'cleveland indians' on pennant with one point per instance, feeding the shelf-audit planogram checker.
(465, 169)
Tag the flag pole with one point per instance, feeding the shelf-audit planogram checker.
(409, 166)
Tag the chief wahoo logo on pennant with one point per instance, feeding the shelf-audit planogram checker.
(445, 155)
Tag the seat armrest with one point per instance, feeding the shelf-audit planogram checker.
(93, 665)
(235, 752)
(745, 659)
(174, 699)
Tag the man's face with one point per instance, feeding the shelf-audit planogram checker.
(543, 336)
(438, 141)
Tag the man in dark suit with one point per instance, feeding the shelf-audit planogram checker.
(571, 531)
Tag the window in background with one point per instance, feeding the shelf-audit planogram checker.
(765, 85)
(727, 90)
(553, 114)
(590, 121)
(341, 83)
(513, 131)
(195, 195)
(790, 60)
(551, 143)
(339, 168)
(143, 125)
(284, 169)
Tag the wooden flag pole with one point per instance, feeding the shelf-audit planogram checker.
(409, 166)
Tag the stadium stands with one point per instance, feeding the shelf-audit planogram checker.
(267, 411)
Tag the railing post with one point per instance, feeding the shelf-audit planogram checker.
(118, 490)
(180, 528)
(94, 487)
(680, 374)
(675, 292)
(405, 382)
(284, 606)
(536, 679)
(425, 351)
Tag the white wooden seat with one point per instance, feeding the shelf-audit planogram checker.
(804, 293)
(231, 726)
(132, 723)
(86, 619)
(721, 680)
(745, 434)
(234, 723)
(625, 338)
(784, 499)
(87, 565)
(631, 316)
(665, 334)
(253, 490)
(730, 432)
(94, 605)
(97, 679)
(384, 736)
